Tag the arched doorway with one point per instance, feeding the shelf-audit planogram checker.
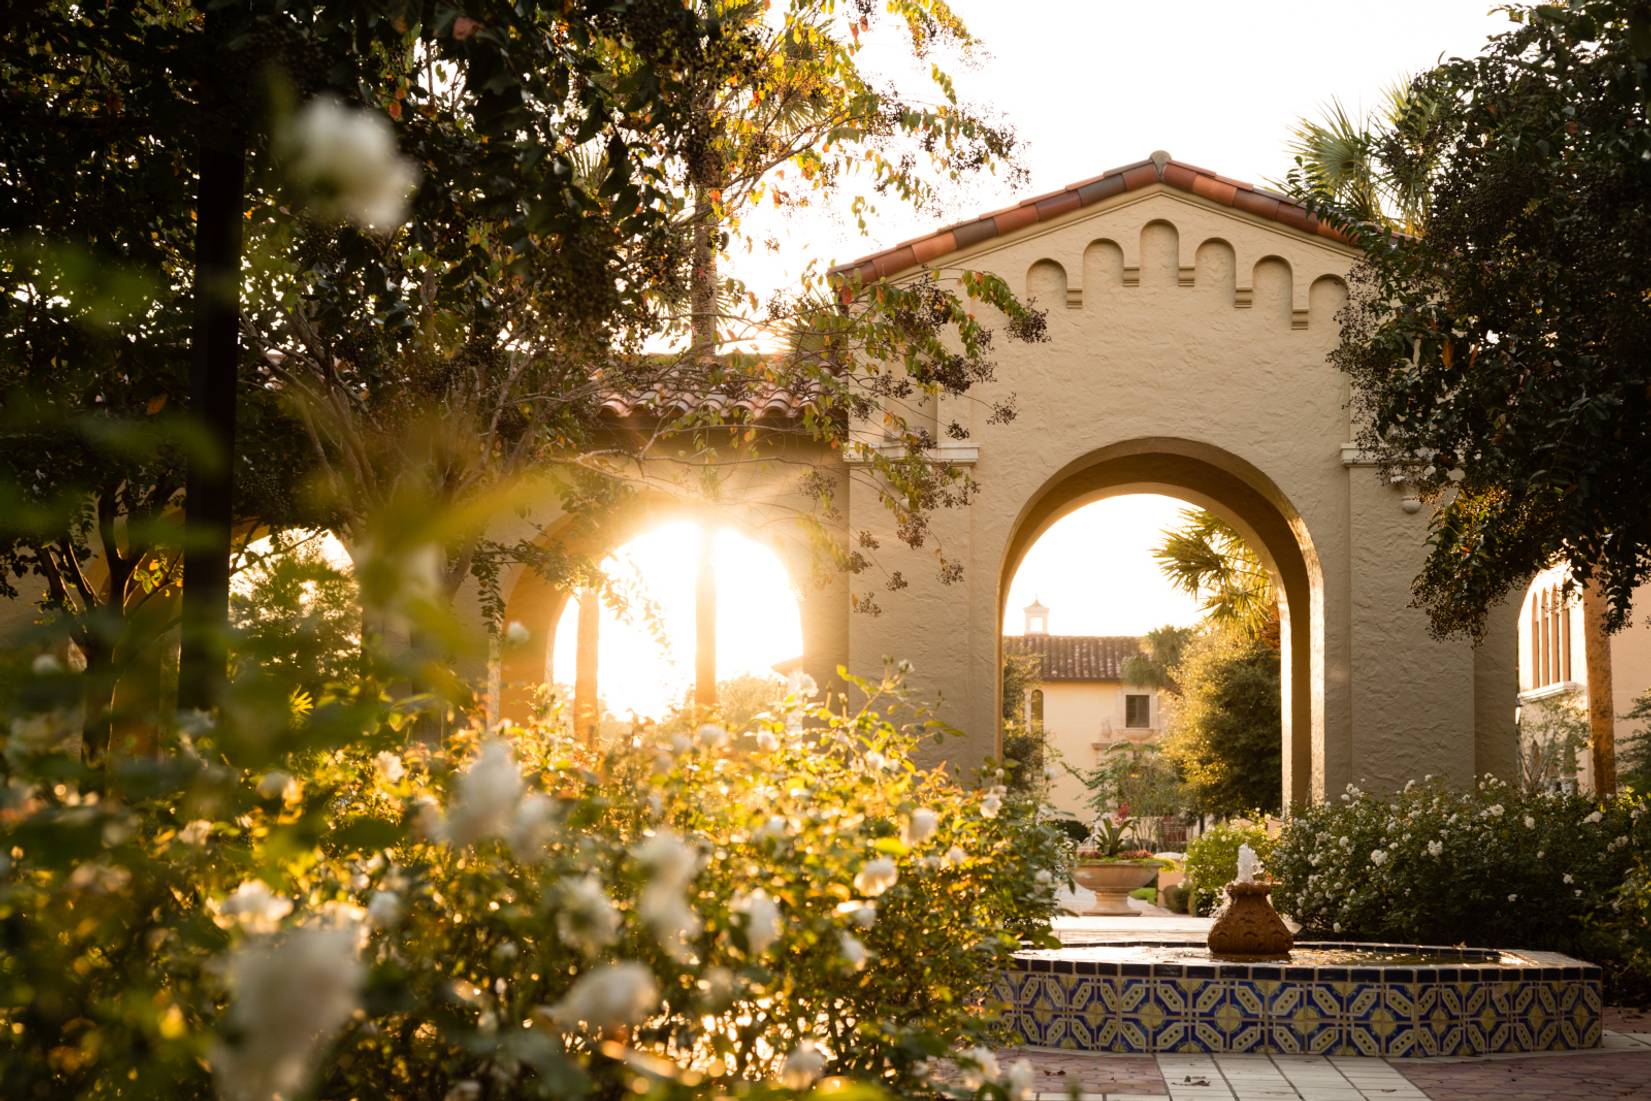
(647, 661)
(1246, 498)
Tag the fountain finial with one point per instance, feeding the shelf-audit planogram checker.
(1250, 928)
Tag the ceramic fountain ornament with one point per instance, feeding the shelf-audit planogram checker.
(1249, 929)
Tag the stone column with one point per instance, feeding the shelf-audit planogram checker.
(705, 623)
(587, 712)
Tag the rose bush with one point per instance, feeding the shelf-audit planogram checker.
(296, 898)
(1493, 867)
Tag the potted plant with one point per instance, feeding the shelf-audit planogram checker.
(1110, 869)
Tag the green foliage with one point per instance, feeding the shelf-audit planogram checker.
(1107, 837)
(1379, 167)
(1145, 894)
(1634, 762)
(392, 917)
(1551, 733)
(1226, 735)
(1494, 866)
(1137, 778)
(1512, 390)
(1206, 558)
(1212, 860)
(299, 614)
(1154, 666)
(1025, 748)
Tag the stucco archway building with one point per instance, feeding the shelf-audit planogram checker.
(1189, 321)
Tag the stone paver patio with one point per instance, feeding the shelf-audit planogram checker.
(1619, 1068)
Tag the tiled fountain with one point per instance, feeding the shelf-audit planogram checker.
(1315, 998)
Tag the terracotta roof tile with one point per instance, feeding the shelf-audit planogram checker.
(970, 233)
(1159, 168)
(1075, 657)
(930, 247)
(1015, 218)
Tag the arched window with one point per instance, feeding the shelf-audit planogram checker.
(1035, 706)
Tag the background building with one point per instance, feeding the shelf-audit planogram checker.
(1080, 700)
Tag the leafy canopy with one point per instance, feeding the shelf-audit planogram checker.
(1501, 360)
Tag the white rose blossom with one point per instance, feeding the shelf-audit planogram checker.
(1018, 1081)
(585, 918)
(346, 158)
(852, 950)
(196, 832)
(533, 828)
(955, 857)
(384, 909)
(803, 1067)
(978, 1066)
(389, 766)
(253, 907)
(485, 797)
(610, 996)
(669, 860)
(991, 805)
(288, 996)
(876, 876)
(279, 785)
(762, 919)
(672, 920)
(922, 825)
(766, 741)
(516, 633)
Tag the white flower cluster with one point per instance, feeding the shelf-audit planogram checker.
(1371, 866)
(346, 162)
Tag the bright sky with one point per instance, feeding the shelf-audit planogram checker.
(1093, 84)
(1094, 571)
(758, 622)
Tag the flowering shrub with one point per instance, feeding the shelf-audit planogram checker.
(315, 901)
(1493, 867)
(1212, 860)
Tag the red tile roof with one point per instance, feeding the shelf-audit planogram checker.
(757, 402)
(1075, 657)
(1159, 168)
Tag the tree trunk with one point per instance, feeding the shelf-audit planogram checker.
(210, 496)
(702, 280)
(1602, 731)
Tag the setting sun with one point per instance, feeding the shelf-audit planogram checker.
(646, 655)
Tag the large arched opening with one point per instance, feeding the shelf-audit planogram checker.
(1252, 503)
(540, 606)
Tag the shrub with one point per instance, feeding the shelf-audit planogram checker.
(1145, 894)
(1178, 898)
(1494, 867)
(309, 898)
(1212, 860)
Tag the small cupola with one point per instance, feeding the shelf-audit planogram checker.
(1037, 618)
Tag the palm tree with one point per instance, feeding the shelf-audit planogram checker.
(1206, 558)
(1154, 666)
(1378, 167)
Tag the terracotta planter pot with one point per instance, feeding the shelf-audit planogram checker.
(1112, 881)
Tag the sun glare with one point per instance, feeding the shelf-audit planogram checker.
(648, 667)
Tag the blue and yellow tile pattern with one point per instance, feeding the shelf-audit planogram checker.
(1473, 1003)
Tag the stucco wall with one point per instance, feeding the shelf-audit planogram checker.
(1174, 319)
(1078, 717)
